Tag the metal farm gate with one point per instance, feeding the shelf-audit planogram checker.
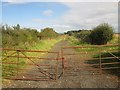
(90, 59)
(18, 64)
(36, 65)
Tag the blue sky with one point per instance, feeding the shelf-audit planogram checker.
(27, 14)
(62, 16)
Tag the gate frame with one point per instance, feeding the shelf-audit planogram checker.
(18, 51)
(93, 46)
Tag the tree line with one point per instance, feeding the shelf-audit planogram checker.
(100, 35)
(17, 37)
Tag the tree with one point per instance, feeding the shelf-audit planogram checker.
(48, 33)
(83, 36)
(18, 37)
(101, 34)
(17, 27)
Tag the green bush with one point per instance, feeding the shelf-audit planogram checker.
(48, 33)
(83, 36)
(16, 37)
(101, 34)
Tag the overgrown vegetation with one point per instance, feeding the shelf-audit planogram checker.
(48, 33)
(17, 37)
(100, 35)
(25, 38)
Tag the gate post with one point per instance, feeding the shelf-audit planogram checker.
(62, 61)
(17, 60)
(100, 59)
(56, 77)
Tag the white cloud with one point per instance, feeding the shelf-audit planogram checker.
(61, 26)
(84, 16)
(81, 15)
(48, 12)
(88, 15)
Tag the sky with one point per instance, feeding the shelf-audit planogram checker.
(62, 16)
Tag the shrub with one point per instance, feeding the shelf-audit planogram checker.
(101, 34)
(17, 37)
(83, 36)
(48, 33)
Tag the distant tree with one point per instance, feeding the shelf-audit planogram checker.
(18, 37)
(101, 34)
(83, 36)
(48, 33)
(17, 27)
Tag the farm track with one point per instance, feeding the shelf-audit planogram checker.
(70, 80)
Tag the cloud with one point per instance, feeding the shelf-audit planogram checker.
(88, 15)
(61, 26)
(48, 12)
(80, 15)
(84, 16)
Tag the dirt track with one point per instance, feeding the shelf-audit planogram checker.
(74, 80)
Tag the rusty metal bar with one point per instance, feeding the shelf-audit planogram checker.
(62, 58)
(111, 68)
(8, 63)
(17, 62)
(89, 52)
(63, 67)
(41, 65)
(93, 46)
(110, 51)
(26, 50)
(20, 69)
(36, 58)
(114, 56)
(29, 79)
(88, 64)
(110, 57)
(56, 77)
(100, 58)
(79, 53)
(23, 74)
(35, 74)
(9, 55)
(88, 69)
(111, 63)
(27, 64)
